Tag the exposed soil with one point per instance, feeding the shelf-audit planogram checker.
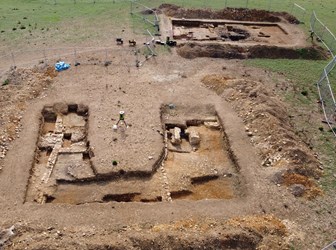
(242, 233)
(199, 164)
(62, 153)
(236, 34)
(238, 14)
(258, 187)
(63, 172)
(279, 145)
(23, 85)
(193, 50)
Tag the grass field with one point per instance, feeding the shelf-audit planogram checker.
(30, 23)
(20, 18)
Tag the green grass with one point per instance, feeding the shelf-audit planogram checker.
(64, 21)
(5, 82)
(48, 23)
(305, 73)
(326, 146)
(46, 13)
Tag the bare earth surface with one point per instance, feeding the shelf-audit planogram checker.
(251, 183)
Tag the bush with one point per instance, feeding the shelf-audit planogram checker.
(5, 82)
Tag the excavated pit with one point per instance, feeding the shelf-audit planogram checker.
(201, 30)
(62, 151)
(199, 163)
(236, 34)
(195, 162)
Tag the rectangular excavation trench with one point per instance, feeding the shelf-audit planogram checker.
(199, 163)
(62, 151)
(195, 163)
(200, 30)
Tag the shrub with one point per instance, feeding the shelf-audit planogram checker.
(5, 82)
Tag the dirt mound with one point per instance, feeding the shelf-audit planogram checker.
(273, 52)
(238, 14)
(260, 224)
(252, 232)
(193, 50)
(270, 128)
(217, 83)
(19, 86)
(297, 181)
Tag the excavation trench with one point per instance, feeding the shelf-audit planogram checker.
(196, 162)
(199, 163)
(237, 34)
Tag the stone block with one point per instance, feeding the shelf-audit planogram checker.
(176, 137)
(212, 125)
(194, 137)
(50, 140)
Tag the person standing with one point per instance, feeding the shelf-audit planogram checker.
(122, 118)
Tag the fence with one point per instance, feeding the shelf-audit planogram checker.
(321, 31)
(123, 56)
(323, 34)
(299, 12)
(327, 98)
(143, 12)
(324, 86)
(81, 1)
(115, 56)
(331, 246)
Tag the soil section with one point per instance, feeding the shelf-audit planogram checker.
(199, 164)
(237, 14)
(62, 152)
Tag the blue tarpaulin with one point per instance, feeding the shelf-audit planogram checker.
(61, 66)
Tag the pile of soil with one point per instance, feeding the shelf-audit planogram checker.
(253, 232)
(193, 50)
(271, 131)
(238, 14)
(19, 86)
